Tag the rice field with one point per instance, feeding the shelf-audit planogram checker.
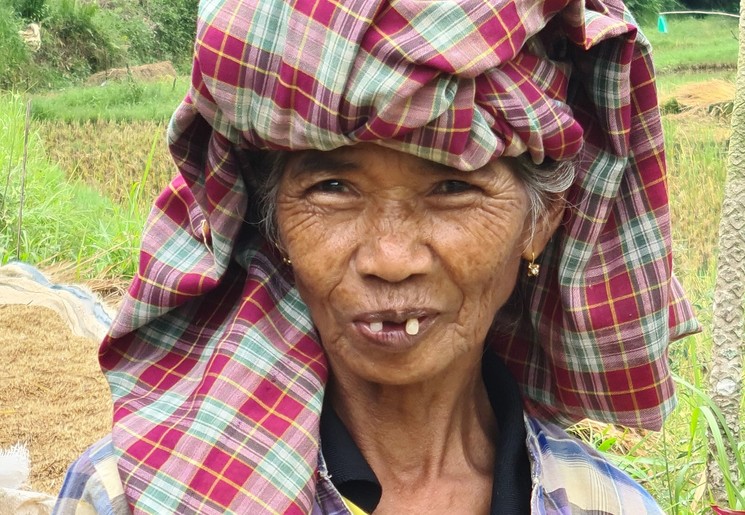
(113, 161)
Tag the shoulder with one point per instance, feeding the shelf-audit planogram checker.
(569, 475)
(92, 483)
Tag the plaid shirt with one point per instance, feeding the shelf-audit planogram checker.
(215, 367)
(568, 478)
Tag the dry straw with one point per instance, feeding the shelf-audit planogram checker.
(54, 398)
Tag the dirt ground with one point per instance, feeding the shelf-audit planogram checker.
(53, 397)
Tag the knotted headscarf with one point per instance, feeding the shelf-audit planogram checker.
(215, 367)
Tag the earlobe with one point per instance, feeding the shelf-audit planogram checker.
(544, 230)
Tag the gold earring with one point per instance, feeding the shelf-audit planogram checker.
(286, 261)
(533, 268)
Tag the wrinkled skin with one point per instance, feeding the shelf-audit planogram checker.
(380, 240)
(369, 229)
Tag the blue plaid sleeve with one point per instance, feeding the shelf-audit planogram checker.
(92, 484)
(570, 477)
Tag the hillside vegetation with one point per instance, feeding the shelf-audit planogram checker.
(79, 38)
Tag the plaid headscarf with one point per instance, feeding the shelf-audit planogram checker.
(216, 370)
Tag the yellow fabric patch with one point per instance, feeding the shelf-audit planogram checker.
(353, 508)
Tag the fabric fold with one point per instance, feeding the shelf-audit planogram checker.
(215, 367)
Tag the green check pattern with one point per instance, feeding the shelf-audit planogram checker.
(215, 367)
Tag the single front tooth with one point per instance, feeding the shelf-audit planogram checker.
(412, 326)
(376, 327)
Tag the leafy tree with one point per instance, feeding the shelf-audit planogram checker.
(647, 10)
(730, 6)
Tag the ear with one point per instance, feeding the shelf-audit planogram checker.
(545, 229)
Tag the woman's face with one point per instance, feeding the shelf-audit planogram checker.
(402, 262)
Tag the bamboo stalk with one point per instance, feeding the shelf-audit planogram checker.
(23, 178)
(10, 169)
(700, 12)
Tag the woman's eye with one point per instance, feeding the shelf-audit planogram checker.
(453, 186)
(330, 186)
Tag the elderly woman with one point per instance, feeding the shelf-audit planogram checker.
(406, 237)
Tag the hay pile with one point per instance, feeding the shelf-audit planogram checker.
(52, 394)
(714, 96)
(145, 72)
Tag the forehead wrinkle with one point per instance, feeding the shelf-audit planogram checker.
(439, 168)
(315, 161)
(445, 171)
(349, 159)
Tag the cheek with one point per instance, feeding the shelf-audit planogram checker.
(487, 257)
(482, 247)
(318, 248)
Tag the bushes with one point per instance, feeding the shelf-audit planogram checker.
(647, 10)
(77, 42)
(80, 37)
(730, 6)
(15, 59)
(132, 33)
(175, 27)
(32, 10)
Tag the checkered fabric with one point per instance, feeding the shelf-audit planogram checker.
(561, 468)
(216, 370)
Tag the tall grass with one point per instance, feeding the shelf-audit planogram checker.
(113, 160)
(63, 220)
(92, 174)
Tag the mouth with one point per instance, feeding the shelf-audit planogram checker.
(398, 328)
(411, 326)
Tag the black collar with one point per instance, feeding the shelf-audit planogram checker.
(352, 476)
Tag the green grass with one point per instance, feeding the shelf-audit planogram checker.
(693, 43)
(62, 219)
(128, 101)
(97, 159)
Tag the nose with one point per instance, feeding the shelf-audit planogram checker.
(395, 251)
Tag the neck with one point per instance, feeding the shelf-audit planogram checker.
(421, 433)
